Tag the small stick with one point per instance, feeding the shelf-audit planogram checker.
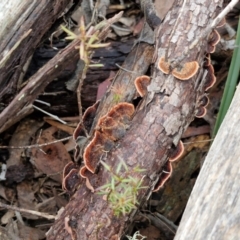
(36, 213)
(36, 145)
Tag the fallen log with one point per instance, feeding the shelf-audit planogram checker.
(160, 120)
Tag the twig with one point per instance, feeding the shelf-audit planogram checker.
(36, 145)
(36, 213)
(49, 114)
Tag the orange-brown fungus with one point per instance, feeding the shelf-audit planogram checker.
(210, 78)
(165, 175)
(221, 23)
(177, 152)
(187, 71)
(78, 131)
(204, 101)
(141, 84)
(89, 116)
(201, 112)
(68, 167)
(110, 128)
(164, 66)
(214, 38)
(94, 151)
(71, 181)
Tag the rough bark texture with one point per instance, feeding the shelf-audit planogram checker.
(20, 17)
(217, 182)
(160, 121)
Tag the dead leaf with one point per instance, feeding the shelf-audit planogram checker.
(50, 159)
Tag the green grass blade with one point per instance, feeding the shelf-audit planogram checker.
(231, 83)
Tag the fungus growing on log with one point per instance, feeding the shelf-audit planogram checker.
(78, 131)
(86, 174)
(95, 150)
(164, 66)
(213, 40)
(165, 175)
(204, 101)
(207, 60)
(68, 167)
(201, 112)
(187, 71)
(141, 84)
(89, 116)
(210, 78)
(110, 128)
(177, 152)
(122, 113)
(221, 23)
(71, 181)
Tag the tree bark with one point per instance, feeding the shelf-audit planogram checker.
(159, 122)
(213, 210)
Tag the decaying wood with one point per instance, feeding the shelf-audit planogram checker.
(213, 208)
(159, 122)
(17, 19)
(44, 76)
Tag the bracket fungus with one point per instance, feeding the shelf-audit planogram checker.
(95, 150)
(165, 175)
(201, 112)
(89, 116)
(141, 84)
(110, 128)
(86, 174)
(164, 66)
(213, 40)
(204, 101)
(177, 152)
(210, 78)
(187, 71)
(71, 181)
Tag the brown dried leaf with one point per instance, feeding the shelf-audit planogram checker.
(50, 159)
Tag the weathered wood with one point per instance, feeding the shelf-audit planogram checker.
(213, 209)
(17, 19)
(159, 122)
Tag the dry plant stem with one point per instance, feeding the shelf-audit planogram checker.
(36, 145)
(45, 75)
(22, 210)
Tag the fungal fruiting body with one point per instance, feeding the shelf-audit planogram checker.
(201, 112)
(141, 84)
(210, 78)
(177, 152)
(213, 40)
(89, 116)
(164, 66)
(110, 128)
(165, 175)
(86, 174)
(204, 101)
(71, 181)
(187, 71)
(94, 151)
